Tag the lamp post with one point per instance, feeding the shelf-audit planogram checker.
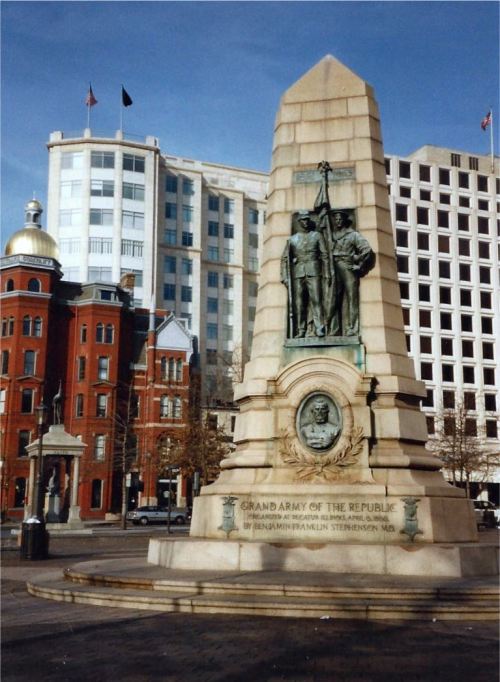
(34, 536)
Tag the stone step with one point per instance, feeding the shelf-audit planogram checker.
(191, 596)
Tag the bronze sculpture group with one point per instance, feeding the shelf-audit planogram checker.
(321, 266)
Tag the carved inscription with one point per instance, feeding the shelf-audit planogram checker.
(334, 175)
(322, 519)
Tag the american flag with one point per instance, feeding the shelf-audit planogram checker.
(90, 100)
(486, 120)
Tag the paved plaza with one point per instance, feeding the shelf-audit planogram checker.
(46, 640)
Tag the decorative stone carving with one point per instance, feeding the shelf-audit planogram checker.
(319, 422)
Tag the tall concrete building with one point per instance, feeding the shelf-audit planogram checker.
(446, 215)
(187, 229)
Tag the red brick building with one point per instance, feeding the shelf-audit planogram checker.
(123, 374)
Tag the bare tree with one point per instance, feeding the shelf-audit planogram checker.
(464, 454)
(125, 444)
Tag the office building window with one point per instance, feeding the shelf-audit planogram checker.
(443, 244)
(186, 294)
(423, 241)
(253, 288)
(491, 428)
(426, 344)
(424, 266)
(228, 255)
(406, 316)
(483, 249)
(482, 183)
(131, 247)
(405, 192)
(404, 289)
(445, 199)
(134, 163)
(468, 374)
(211, 331)
(447, 372)
(133, 220)
(425, 195)
(133, 191)
(443, 219)
(187, 186)
(102, 368)
(426, 371)
(171, 183)
(402, 238)
(444, 269)
(169, 292)
(212, 279)
(79, 405)
(213, 253)
(483, 226)
(467, 348)
(463, 222)
(100, 447)
(430, 425)
(424, 318)
(212, 305)
(444, 176)
(72, 189)
(422, 215)
(228, 231)
(490, 402)
(487, 325)
(213, 228)
(424, 292)
(404, 169)
(170, 264)
(71, 217)
(446, 346)
(102, 188)
(463, 180)
(228, 205)
(488, 351)
(466, 323)
(71, 160)
(253, 216)
(187, 238)
(213, 202)
(464, 272)
(402, 263)
(102, 159)
(489, 376)
(466, 297)
(387, 166)
(485, 297)
(170, 210)
(228, 281)
(448, 400)
(445, 295)
(170, 237)
(402, 213)
(27, 395)
(187, 266)
(473, 163)
(187, 213)
(101, 216)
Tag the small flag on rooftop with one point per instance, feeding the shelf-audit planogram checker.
(126, 99)
(90, 100)
(486, 120)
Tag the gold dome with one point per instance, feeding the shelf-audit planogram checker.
(32, 240)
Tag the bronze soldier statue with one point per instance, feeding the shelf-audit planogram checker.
(303, 265)
(352, 257)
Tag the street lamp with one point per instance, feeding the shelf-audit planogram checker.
(34, 536)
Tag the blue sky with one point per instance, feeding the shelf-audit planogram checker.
(206, 77)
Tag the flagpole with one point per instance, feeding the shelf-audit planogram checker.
(121, 112)
(88, 116)
(492, 150)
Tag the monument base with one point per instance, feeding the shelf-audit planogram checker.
(445, 560)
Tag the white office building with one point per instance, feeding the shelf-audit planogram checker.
(188, 230)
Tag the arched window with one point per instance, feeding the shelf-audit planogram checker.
(34, 285)
(37, 326)
(163, 367)
(83, 333)
(177, 407)
(27, 325)
(171, 369)
(178, 371)
(108, 337)
(99, 333)
(9, 286)
(164, 406)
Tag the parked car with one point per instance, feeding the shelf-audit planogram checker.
(487, 515)
(155, 514)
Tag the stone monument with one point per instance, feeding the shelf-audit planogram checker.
(330, 470)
